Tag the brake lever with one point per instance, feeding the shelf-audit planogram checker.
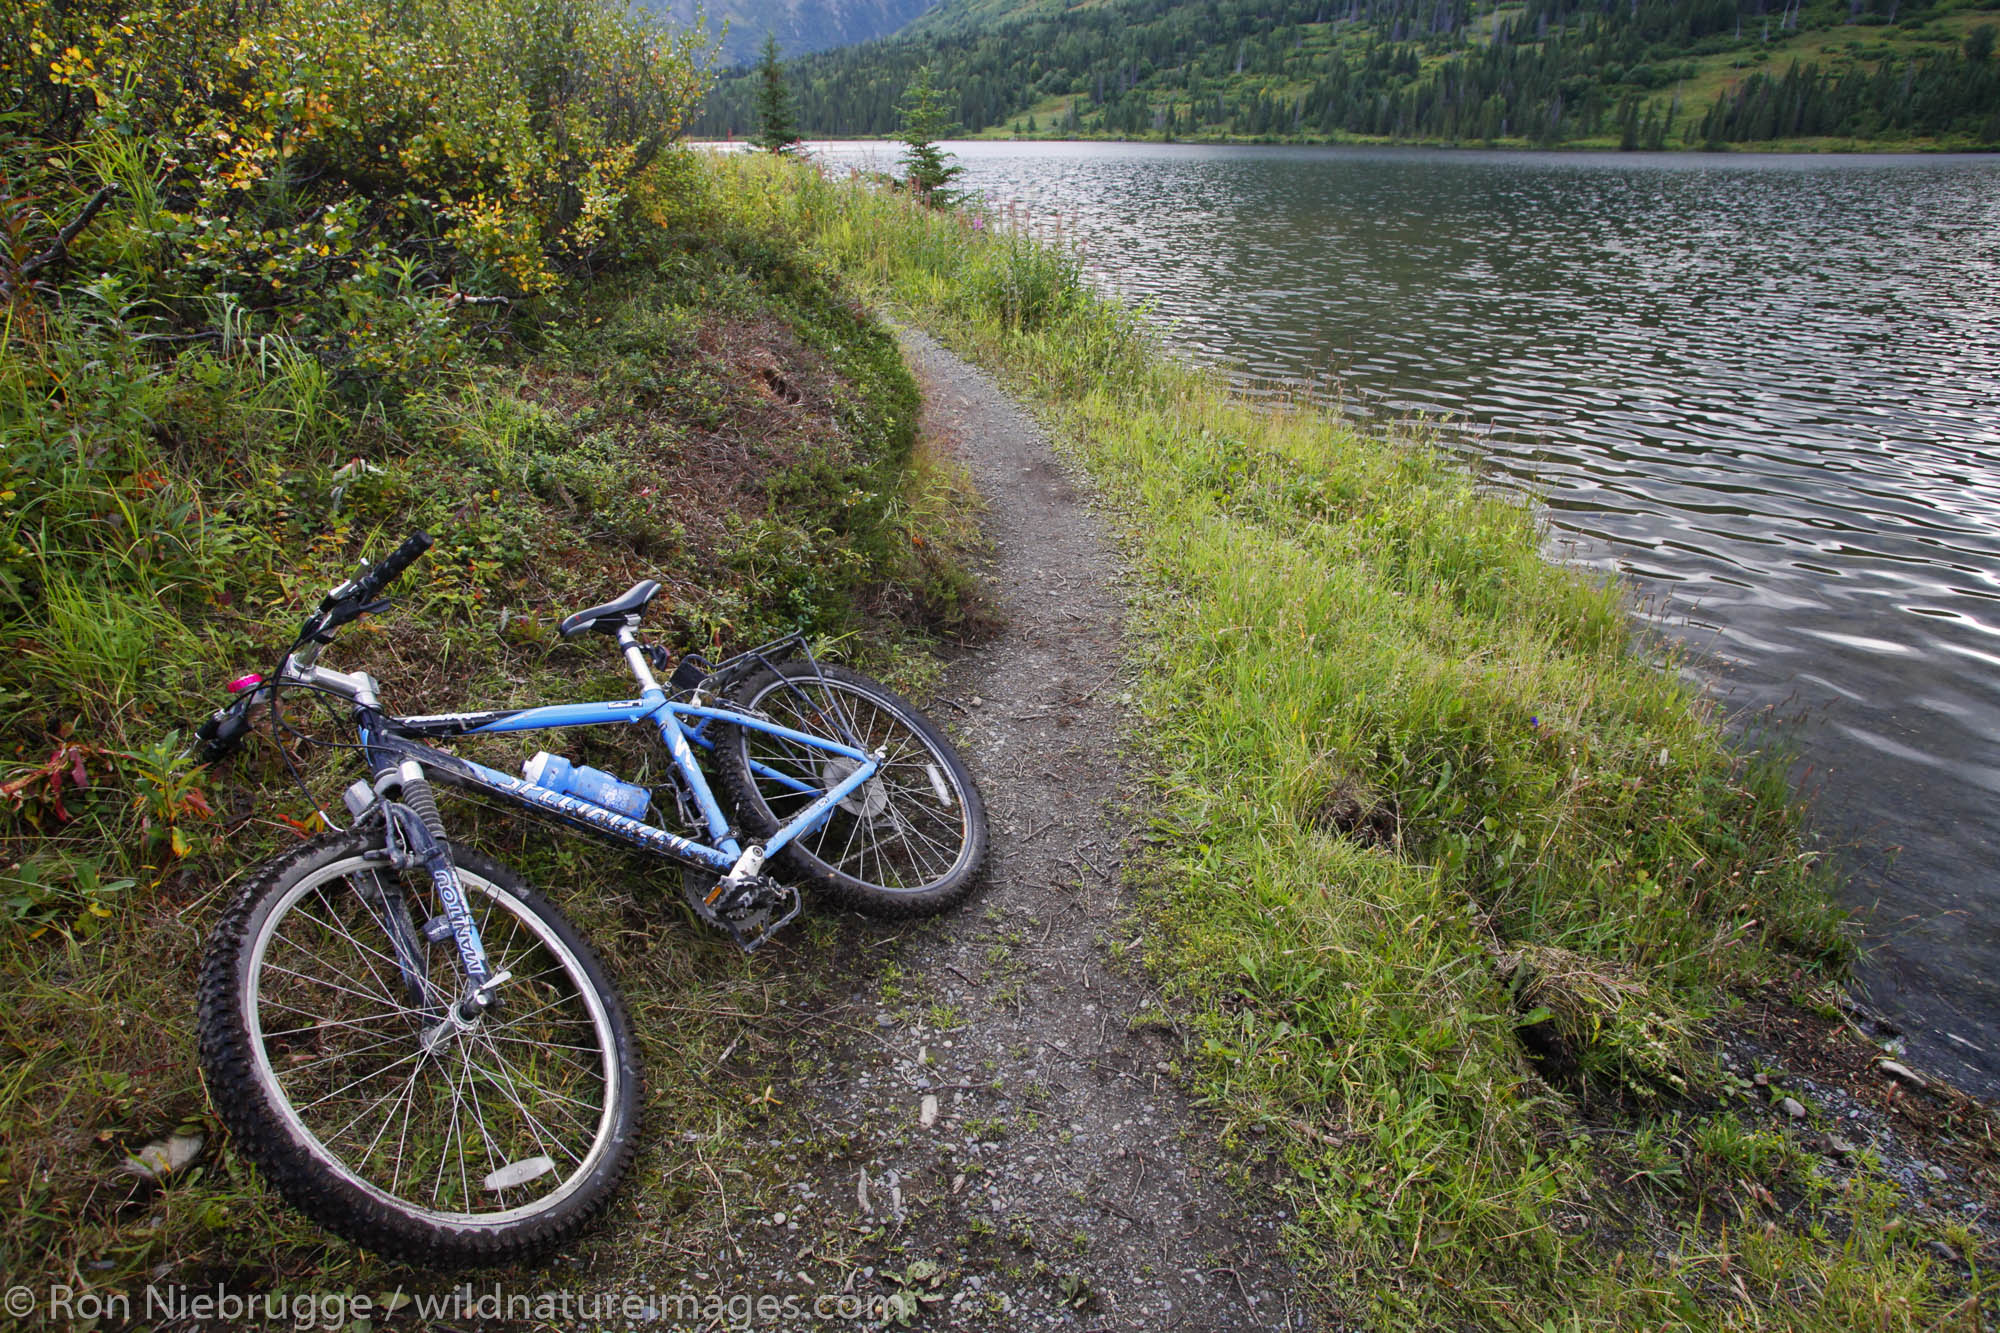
(335, 596)
(328, 619)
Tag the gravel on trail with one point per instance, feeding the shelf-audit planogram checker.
(997, 1142)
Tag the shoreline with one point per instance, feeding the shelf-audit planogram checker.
(1786, 148)
(1361, 812)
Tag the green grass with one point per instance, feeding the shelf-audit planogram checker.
(248, 362)
(1420, 803)
(166, 524)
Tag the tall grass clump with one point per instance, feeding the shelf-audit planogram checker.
(1022, 283)
(1451, 874)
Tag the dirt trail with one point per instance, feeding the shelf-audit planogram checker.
(1064, 1180)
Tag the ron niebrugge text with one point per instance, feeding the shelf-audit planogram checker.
(219, 1306)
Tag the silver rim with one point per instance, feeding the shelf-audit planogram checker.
(905, 830)
(438, 1124)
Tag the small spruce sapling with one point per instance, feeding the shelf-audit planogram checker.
(777, 132)
(925, 121)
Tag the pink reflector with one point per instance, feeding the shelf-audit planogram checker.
(242, 683)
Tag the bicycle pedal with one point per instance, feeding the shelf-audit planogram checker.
(750, 914)
(761, 925)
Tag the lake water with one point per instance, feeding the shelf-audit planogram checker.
(1765, 389)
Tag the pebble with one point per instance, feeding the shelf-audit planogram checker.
(162, 1157)
(1944, 1252)
(1791, 1107)
(885, 1020)
(1898, 1071)
(1761, 1080)
(928, 1114)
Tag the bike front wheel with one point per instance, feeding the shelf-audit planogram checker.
(344, 1071)
(908, 842)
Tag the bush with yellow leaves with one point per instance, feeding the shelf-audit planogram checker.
(322, 167)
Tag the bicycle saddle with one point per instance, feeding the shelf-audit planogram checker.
(612, 616)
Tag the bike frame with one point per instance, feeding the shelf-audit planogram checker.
(392, 740)
(394, 745)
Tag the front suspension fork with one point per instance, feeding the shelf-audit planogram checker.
(413, 837)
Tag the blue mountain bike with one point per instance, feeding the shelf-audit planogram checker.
(414, 1046)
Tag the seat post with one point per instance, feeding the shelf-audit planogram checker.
(635, 656)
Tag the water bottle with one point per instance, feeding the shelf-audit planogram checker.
(589, 784)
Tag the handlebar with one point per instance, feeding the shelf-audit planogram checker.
(225, 728)
(360, 594)
(370, 585)
(218, 737)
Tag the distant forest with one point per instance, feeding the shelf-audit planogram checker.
(1647, 73)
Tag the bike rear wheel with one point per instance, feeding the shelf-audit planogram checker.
(422, 1137)
(909, 842)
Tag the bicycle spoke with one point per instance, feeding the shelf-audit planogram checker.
(853, 829)
(533, 1125)
(389, 1119)
(357, 1024)
(357, 1117)
(365, 1078)
(422, 1115)
(445, 1158)
(345, 990)
(479, 1117)
(512, 1092)
(495, 1035)
(345, 1055)
(346, 936)
(905, 828)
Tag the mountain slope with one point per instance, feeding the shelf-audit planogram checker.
(800, 26)
(1638, 73)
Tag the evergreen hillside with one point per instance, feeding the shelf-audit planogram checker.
(1644, 74)
(738, 26)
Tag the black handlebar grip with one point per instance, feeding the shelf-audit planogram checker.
(370, 585)
(218, 737)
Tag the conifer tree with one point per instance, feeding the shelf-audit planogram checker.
(925, 121)
(777, 132)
